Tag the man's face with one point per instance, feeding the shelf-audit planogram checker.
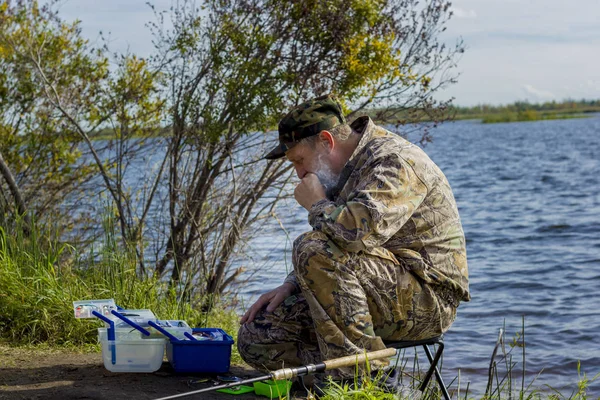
(305, 158)
(308, 158)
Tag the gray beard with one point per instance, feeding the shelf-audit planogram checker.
(327, 178)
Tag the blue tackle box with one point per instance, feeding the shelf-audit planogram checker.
(210, 352)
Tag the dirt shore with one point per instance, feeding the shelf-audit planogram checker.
(60, 374)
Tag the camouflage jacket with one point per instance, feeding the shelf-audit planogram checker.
(391, 194)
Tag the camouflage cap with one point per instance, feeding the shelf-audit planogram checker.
(307, 119)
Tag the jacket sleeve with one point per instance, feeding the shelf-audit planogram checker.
(291, 278)
(385, 196)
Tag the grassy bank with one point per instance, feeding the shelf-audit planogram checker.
(40, 278)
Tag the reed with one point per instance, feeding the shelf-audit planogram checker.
(507, 379)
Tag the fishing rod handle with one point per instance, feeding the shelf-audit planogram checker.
(352, 360)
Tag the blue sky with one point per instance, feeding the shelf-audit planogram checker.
(535, 50)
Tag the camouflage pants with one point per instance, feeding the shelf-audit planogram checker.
(349, 302)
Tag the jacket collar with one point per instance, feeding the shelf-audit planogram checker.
(365, 127)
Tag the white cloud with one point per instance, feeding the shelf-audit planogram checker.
(462, 13)
(538, 93)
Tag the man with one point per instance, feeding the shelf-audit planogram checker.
(386, 258)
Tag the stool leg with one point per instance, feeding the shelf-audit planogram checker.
(433, 369)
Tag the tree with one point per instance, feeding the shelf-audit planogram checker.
(60, 94)
(40, 160)
(234, 66)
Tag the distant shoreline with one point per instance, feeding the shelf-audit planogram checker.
(522, 111)
(529, 115)
(516, 112)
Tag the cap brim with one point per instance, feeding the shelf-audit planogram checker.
(276, 153)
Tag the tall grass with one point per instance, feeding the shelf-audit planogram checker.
(505, 381)
(41, 277)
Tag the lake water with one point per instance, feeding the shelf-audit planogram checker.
(529, 198)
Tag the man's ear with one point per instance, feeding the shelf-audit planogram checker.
(327, 140)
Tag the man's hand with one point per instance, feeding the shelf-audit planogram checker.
(273, 298)
(309, 191)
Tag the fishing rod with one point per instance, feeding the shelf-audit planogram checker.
(289, 373)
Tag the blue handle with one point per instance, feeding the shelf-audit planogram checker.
(161, 330)
(189, 336)
(110, 322)
(110, 334)
(130, 322)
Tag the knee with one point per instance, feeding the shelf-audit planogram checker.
(246, 340)
(243, 340)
